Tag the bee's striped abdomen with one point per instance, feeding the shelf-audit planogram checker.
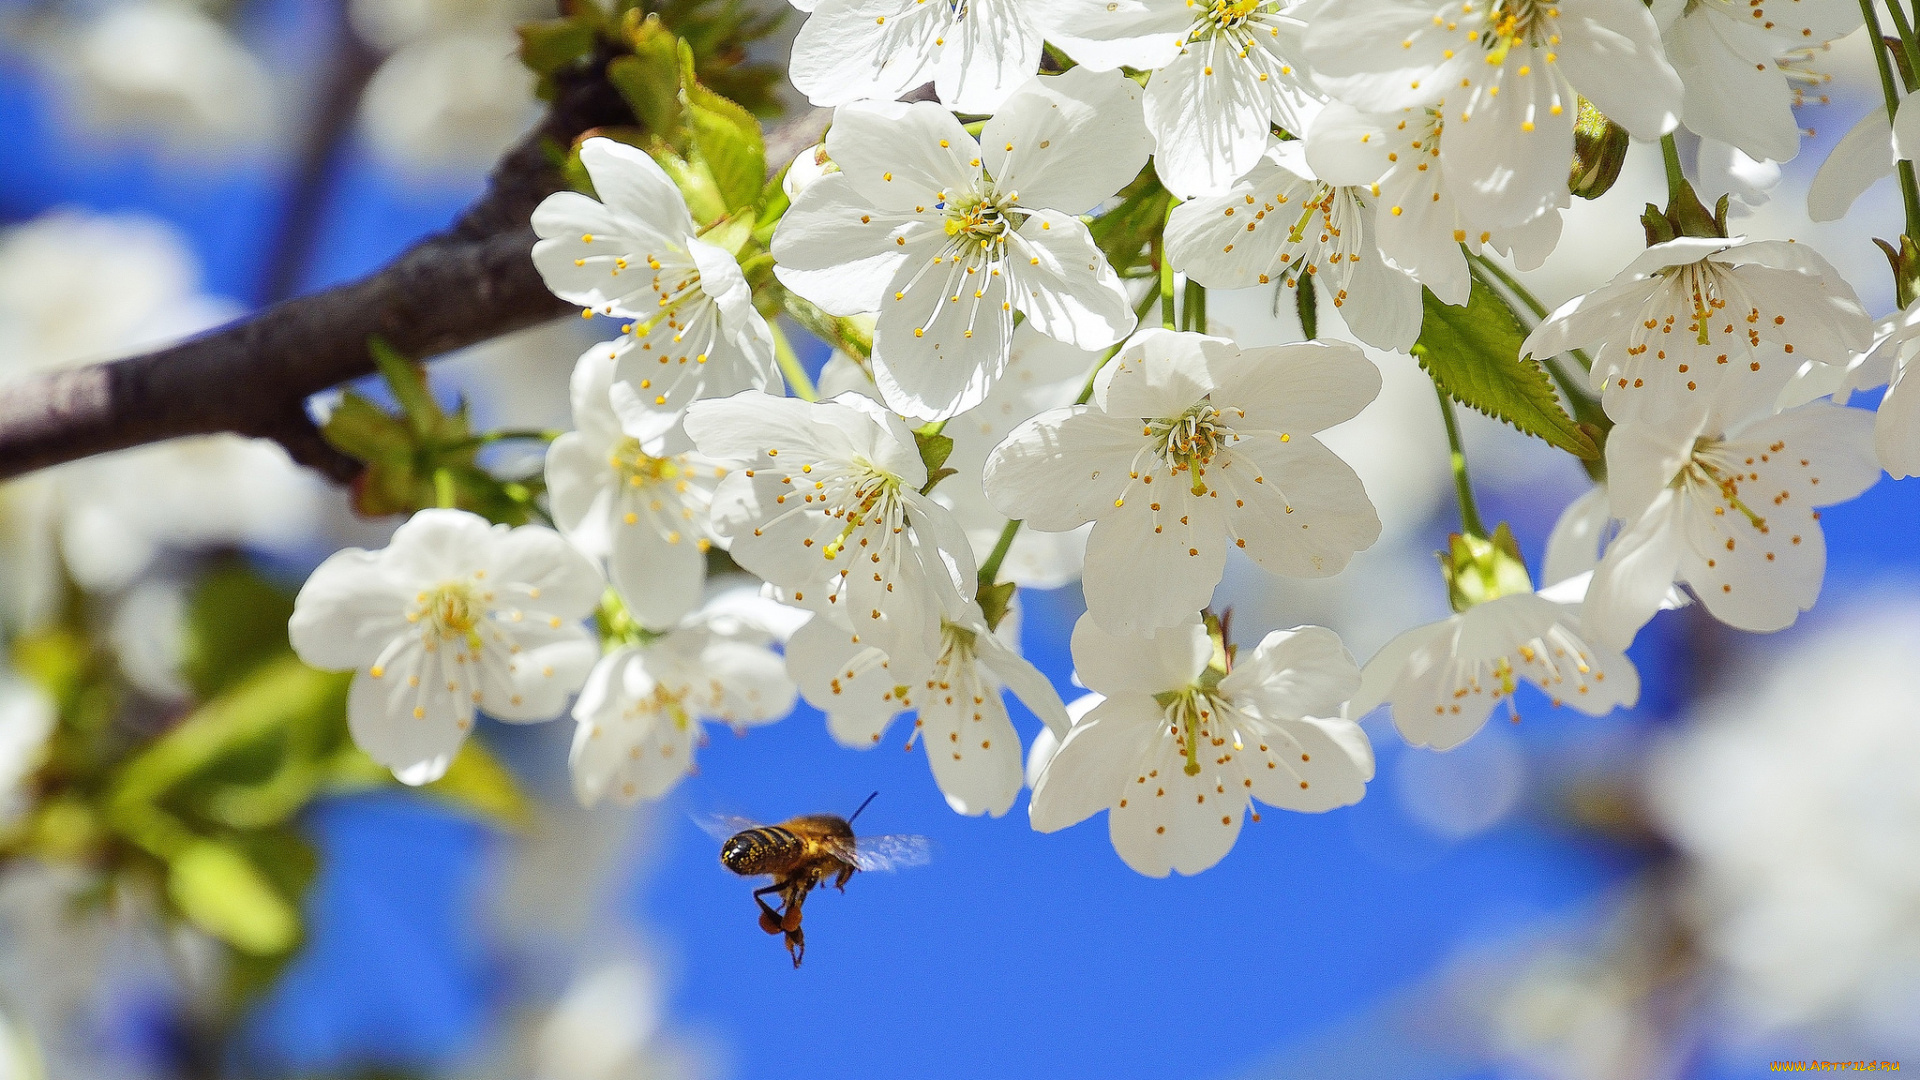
(766, 850)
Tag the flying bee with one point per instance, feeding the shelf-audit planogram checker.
(803, 852)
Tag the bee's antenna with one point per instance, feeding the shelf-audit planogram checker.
(863, 806)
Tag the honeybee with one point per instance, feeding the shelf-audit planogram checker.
(803, 852)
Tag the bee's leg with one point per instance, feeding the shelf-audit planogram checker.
(846, 872)
(796, 896)
(769, 916)
(797, 944)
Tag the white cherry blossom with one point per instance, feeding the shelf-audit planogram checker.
(643, 515)
(1178, 750)
(948, 237)
(826, 505)
(1418, 224)
(1864, 155)
(1730, 509)
(1224, 73)
(975, 53)
(1896, 426)
(1041, 374)
(634, 254)
(641, 712)
(1190, 444)
(1280, 223)
(962, 720)
(1725, 53)
(1444, 679)
(1507, 74)
(1709, 323)
(454, 617)
(1782, 795)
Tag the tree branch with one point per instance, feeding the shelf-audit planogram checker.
(473, 282)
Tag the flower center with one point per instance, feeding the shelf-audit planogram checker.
(640, 469)
(452, 611)
(874, 498)
(1188, 713)
(1699, 285)
(1223, 15)
(1518, 23)
(1712, 467)
(978, 218)
(1188, 442)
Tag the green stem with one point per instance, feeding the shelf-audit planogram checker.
(790, 365)
(488, 438)
(1166, 288)
(444, 493)
(1193, 304)
(1676, 178)
(990, 570)
(1904, 30)
(1909, 188)
(1469, 517)
(1166, 271)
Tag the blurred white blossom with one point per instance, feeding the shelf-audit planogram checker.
(168, 65)
(1793, 802)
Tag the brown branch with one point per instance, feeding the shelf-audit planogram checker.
(473, 282)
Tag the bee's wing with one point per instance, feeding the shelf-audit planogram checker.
(723, 826)
(894, 852)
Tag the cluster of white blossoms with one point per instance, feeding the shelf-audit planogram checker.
(1001, 419)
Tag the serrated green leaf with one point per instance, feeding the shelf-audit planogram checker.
(1473, 354)
(649, 81)
(219, 888)
(695, 182)
(726, 138)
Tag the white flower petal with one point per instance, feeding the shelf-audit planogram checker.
(1086, 774)
(1305, 671)
(1064, 285)
(1860, 159)
(1069, 141)
(1166, 659)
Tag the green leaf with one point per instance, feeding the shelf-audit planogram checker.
(1473, 354)
(366, 432)
(219, 888)
(1125, 232)
(476, 781)
(552, 44)
(649, 80)
(726, 138)
(408, 382)
(236, 620)
(994, 601)
(934, 447)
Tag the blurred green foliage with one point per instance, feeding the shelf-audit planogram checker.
(196, 803)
